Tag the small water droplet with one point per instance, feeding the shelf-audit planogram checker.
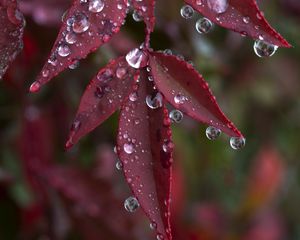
(212, 133)
(237, 142)
(131, 204)
(176, 116)
(80, 23)
(119, 165)
(96, 6)
(187, 11)
(155, 101)
(203, 25)
(179, 99)
(128, 148)
(218, 6)
(63, 50)
(137, 16)
(153, 225)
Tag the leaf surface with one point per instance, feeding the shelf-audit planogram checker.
(187, 91)
(240, 16)
(86, 27)
(103, 96)
(12, 25)
(143, 134)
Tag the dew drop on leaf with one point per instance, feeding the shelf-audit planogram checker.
(264, 49)
(212, 133)
(119, 165)
(80, 23)
(237, 143)
(137, 16)
(96, 6)
(218, 6)
(131, 204)
(155, 101)
(128, 148)
(153, 225)
(137, 58)
(187, 12)
(203, 25)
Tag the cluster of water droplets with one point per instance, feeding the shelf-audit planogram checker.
(204, 25)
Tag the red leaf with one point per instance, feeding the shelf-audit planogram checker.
(82, 32)
(142, 134)
(103, 96)
(186, 90)
(146, 10)
(240, 16)
(11, 34)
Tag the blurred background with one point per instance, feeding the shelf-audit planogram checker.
(218, 194)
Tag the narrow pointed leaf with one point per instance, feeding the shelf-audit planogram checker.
(86, 26)
(146, 164)
(145, 9)
(103, 96)
(187, 91)
(12, 24)
(240, 16)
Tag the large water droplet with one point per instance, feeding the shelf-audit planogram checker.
(264, 49)
(237, 142)
(212, 133)
(128, 148)
(155, 101)
(203, 25)
(80, 23)
(96, 6)
(218, 6)
(137, 58)
(176, 116)
(187, 12)
(131, 204)
(179, 99)
(63, 50)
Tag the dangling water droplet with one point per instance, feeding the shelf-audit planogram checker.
(203, 25)
(80, 23)
(137, 16)
(154, 102)
(131, 204)
(153, 225)
(137, 58)
(119, 165)
(187, 11)
(218, 6)
(63, 50)
(237, 142)
(128, 148)
(212, 133)
(176, 116)
(96, 6)
(264, 49)
(159, 237)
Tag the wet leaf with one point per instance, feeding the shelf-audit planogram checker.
(86, 26)
(145, 9)
(187, 91)
(145, 149)
(103, 96)
(240, 16)
(12, 23)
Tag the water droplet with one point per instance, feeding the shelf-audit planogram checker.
(63, 50)
(121, 72)
(246, 20)
(203, 25)
(159, 237)
(153, 225)
(119, 165)
(133, 97)
(264, 49)
(137, 58)
(179, 99)
(212, 133)
(131, 204)
(96, 6)
(237, 142)
(155, 101)
(168, 146)
(128, 148)
(80, 23)
(137, 16)
(71, 38)
(176, 116)
(187, 11)
(218, 6)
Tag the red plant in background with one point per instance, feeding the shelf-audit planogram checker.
(140, 84)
